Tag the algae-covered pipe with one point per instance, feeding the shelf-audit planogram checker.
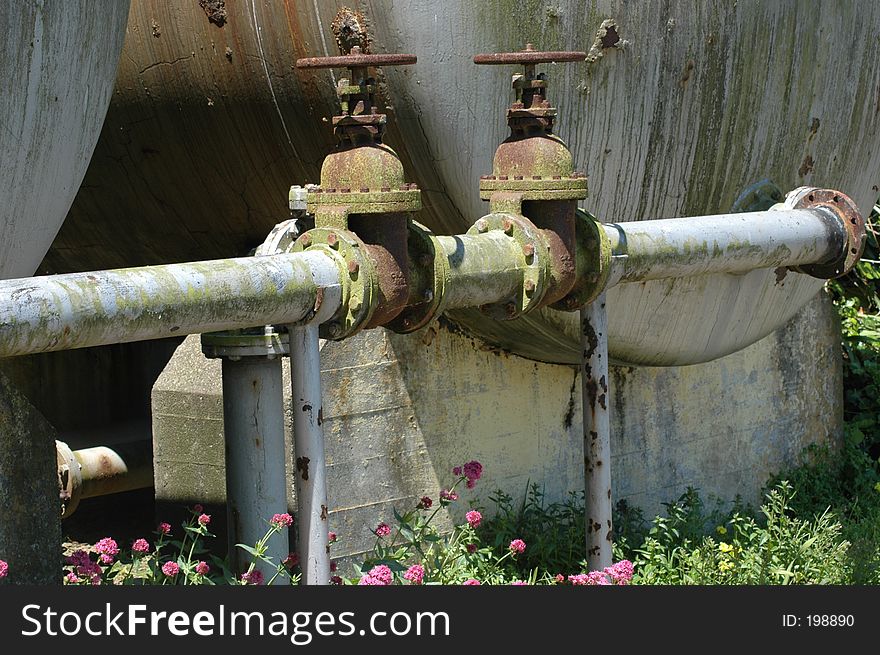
(483, 269)
(80, 310)
(725, 243)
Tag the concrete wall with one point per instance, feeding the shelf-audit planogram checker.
(401, 411)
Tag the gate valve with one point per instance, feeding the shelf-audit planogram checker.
(533, 181)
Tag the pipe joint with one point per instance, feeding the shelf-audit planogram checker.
(592, 262)
(533, 255)
(846, 223)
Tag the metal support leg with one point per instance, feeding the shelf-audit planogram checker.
(597, 433)
(253, 424)
(308, 434)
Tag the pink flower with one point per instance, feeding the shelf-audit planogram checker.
(282, 520)
(621, 573)
(518, 546)
(255, 577)
(425, 503)
(448, 496)
(473, 470)
(474, 518)
(164, 528)
(331, 537)
(560, 579)
(72, 578)
(4, 569)
(456, 471)
(204, 519)
(333, 567)
(291, 560)
(471, 582)
(472, 548)
(202, 568)
(415, 574)
(78, 558)
(141, 546)
(198, 509)
(378, 576)
(518, 583)
(170, 569)
(578, 580)
(335, 580)
(107, 549)
(382, 530)
(470, 484)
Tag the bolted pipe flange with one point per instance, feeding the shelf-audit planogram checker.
(498, 188)
(360, 283)
(264, 342)
(430, 269)
(593, 261)
(536, 262)
(332, 206)
(840, 209)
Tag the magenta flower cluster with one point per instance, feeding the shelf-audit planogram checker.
(254, 577)
(204, 519)
(616, 574)
(84, 568)
(473, 470)
(164, 528)
(4, 569)
(415, 574)
(474, 518)
(202, 568)
(518, 546)
(107, 549)
(378, 576)
(141, 546)
(170, 569)
(382, 530)
(282, 520)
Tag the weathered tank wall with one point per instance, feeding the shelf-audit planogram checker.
(57, 68)
(401, 411)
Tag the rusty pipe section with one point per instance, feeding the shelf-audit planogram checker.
(80, 310)
(102, 470)
(823, 239)
(484, 269)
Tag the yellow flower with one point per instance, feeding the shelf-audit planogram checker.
(725, 547)
(724, 565)
(722, 530)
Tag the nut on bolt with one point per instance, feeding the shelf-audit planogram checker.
(353, 267)
(332, 241)
(481, 225)
(305, 240)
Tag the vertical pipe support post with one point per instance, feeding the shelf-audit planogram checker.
(597, 433)
(253, 429)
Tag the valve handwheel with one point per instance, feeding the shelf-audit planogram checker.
(356, 60)
(529, 56)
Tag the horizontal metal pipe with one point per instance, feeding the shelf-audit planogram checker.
(483, 269)
(726, 243)
(80, 310)
(102, 470)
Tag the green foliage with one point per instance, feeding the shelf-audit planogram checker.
(781, 549)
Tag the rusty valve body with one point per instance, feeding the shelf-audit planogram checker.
(533, 176)
(363, 199)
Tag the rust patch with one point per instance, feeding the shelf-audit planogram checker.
(215, 10)
(592, 339)
(686, 74)
(320, 415)
(602, 402)
(302, 465)
(806, 166)
(603, 384)
(155, 29)
(323, 512)
(594, 435)
(569, 413)
(350, 29)
(608, 536)
(780, 272)
(814, 127)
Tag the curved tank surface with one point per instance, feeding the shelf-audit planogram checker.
(58, 68)
(673, 113)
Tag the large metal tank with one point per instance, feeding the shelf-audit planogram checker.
(57, 71)
(676, 110)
